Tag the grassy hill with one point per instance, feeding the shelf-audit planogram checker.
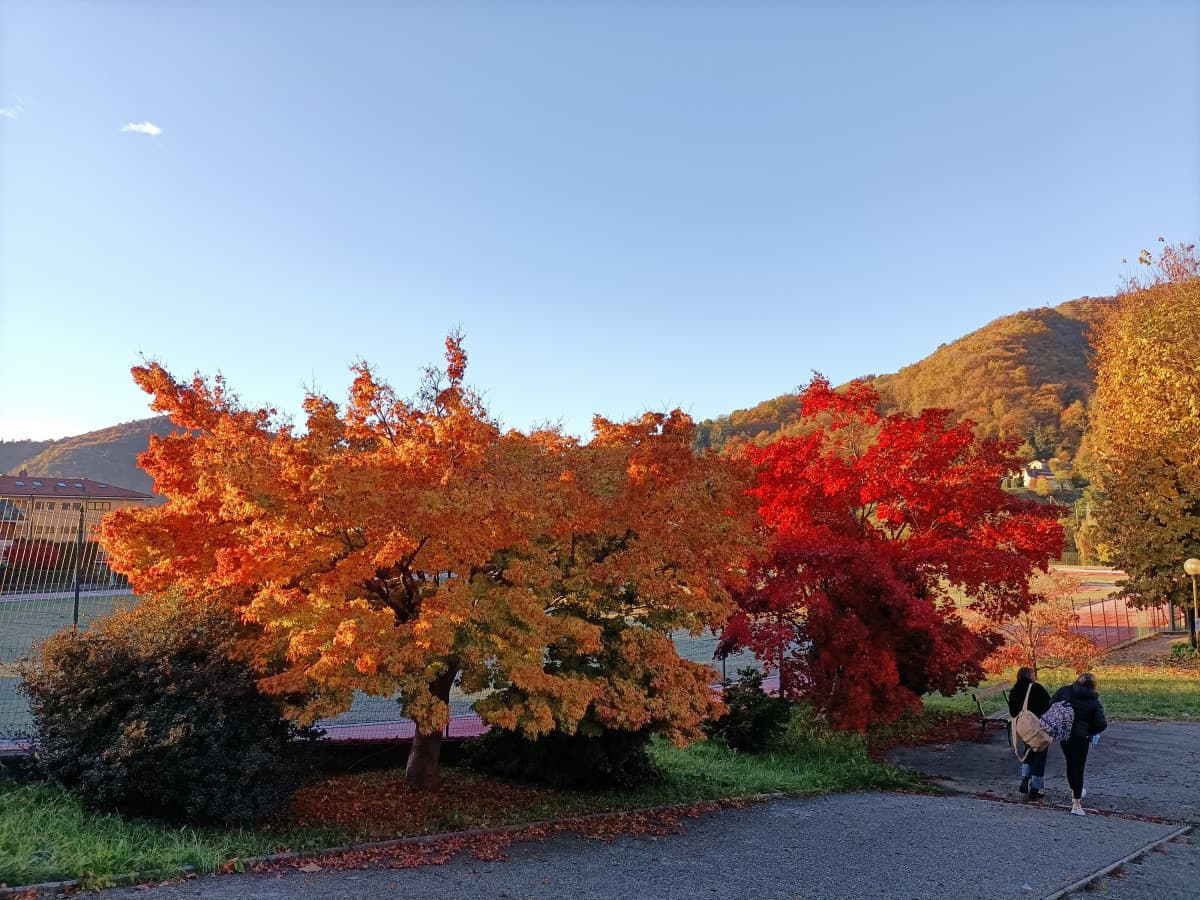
(1024, 376)
(108, 455)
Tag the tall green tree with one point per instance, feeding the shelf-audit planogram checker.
(1145, 429)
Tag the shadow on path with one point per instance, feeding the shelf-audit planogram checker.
(1149, 769)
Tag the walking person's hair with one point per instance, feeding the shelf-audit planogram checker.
(1087, 680)
(1026, 672)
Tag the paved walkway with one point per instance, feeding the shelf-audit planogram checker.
(1149, 769)
(979, 843)
(1144, 769)
(847, 846)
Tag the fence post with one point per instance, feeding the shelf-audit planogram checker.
(78, 565)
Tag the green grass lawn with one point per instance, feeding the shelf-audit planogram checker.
(711, 771)
(46, 835)
(1127, 692)
(1145, 692)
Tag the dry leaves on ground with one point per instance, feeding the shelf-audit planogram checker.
(494, 845)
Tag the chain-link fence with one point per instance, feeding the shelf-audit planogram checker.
(53, 575)
(1112, 622)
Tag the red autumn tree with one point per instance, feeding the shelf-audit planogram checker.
(395, 547)
(880, 529)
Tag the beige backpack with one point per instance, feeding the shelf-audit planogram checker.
(1028, 727)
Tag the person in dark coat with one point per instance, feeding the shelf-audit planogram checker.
(1089, 722)
(1033, 770)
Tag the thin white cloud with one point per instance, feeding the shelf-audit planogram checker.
(11, 112)
(143, 128)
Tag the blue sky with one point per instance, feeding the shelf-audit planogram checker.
(623, 205)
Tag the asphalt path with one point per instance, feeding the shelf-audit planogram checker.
(982, 840)
(871, 845)
(1148, 770)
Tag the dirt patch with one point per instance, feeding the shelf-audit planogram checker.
(1152, 651)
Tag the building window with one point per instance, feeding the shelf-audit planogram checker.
(39, 505)
(99, 504)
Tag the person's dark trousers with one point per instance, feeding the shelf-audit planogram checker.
(1075, 749)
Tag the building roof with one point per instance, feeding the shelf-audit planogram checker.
(51, 486)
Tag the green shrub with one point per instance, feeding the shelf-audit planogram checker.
(147, 713)
(806, 733)
(1183, 650)
(610, 759)
(754, 719)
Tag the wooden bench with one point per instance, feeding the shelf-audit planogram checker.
(997, 715)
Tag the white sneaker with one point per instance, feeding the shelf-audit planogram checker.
(1077, 811)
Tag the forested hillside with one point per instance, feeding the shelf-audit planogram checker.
(108, 455)
(1024, 376)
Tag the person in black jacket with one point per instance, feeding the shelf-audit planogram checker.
(1033, 770)
(1089, 722)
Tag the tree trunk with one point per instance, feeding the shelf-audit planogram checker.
(1189, 616)
(423, 770)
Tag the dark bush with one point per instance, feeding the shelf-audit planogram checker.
(610, 759)
(755, 719)
(147, 713)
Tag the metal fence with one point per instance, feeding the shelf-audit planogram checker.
(53, 575)
(1112, 622)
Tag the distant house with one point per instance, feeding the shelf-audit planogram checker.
(1041, 469)
(45, 508)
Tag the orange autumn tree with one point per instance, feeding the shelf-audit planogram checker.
(1043, 636)
(394, 547)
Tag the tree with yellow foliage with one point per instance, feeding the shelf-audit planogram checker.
(1145, 427)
